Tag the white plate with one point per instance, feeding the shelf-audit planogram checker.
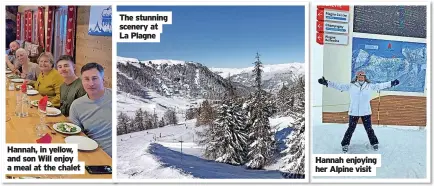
(8, 71)
(32, 92)
(84, 143)
(17, 80)
(57, 125)
(29, 87)
(13, 76)
(51, 111)
(36, 103)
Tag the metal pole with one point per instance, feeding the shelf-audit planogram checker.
(378, 109)
(181, 148)
(155, 119)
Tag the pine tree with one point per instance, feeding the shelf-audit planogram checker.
(123, 121)
(284, 100)
(232, 144)
(132, 125)
(294, 160)
(154, 121)
(161, 123)
(139, 120)
(191, 113)
(225, 139)
(206, 115)
(207, 139)
(170, 117)
(261, 137)
(148, 121)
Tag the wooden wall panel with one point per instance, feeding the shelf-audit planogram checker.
(394, 110)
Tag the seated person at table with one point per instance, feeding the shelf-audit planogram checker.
(49, 80)
(29, 70)
(72, 88)
(93, 111)
(11, 63)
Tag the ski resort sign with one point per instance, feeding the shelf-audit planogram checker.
(331, 15)
(327, 38)
(332, 24)
(332, 27)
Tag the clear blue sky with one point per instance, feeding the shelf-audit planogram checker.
(225, 36)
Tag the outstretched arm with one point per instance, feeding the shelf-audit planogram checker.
(339, 86)
(381, 86)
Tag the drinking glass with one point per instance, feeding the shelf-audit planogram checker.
(25, 105)
(18, 104)
(41, 126)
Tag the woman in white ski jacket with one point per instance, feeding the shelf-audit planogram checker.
(360, 90)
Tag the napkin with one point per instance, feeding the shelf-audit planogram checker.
(43, 103)
(44, 139)
(24, 87)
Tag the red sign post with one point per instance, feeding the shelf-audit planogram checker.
(334, 7)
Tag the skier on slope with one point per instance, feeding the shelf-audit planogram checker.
(360, 95)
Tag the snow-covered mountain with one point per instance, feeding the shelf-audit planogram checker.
(194, 80)
(273, 77)
(125, 60)
(173, 78)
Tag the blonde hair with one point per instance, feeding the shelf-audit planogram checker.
(49, 56)
(22, 50)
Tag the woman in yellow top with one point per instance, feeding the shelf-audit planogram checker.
(49, 80)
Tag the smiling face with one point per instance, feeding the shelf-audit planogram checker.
(45, 64)
(361, 76)
(66, 68)
(93, 81)
(21, 56)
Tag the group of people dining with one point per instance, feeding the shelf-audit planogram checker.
(84, 100)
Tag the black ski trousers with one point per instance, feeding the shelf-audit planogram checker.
(352, 126)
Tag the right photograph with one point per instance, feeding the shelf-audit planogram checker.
(370, 86)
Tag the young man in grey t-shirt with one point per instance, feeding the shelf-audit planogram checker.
(93, 111)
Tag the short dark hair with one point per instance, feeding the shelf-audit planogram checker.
(93, 65)
(66, 58)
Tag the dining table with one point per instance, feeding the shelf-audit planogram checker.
(23, 130)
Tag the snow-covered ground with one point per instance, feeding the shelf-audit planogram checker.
(402, 149)
(128, 104)
(146, 155)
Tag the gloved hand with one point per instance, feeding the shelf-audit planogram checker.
(394, 82)
(323, 81)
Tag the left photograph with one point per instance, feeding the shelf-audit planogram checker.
(58, 92)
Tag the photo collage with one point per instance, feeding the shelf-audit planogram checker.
(217, 93)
